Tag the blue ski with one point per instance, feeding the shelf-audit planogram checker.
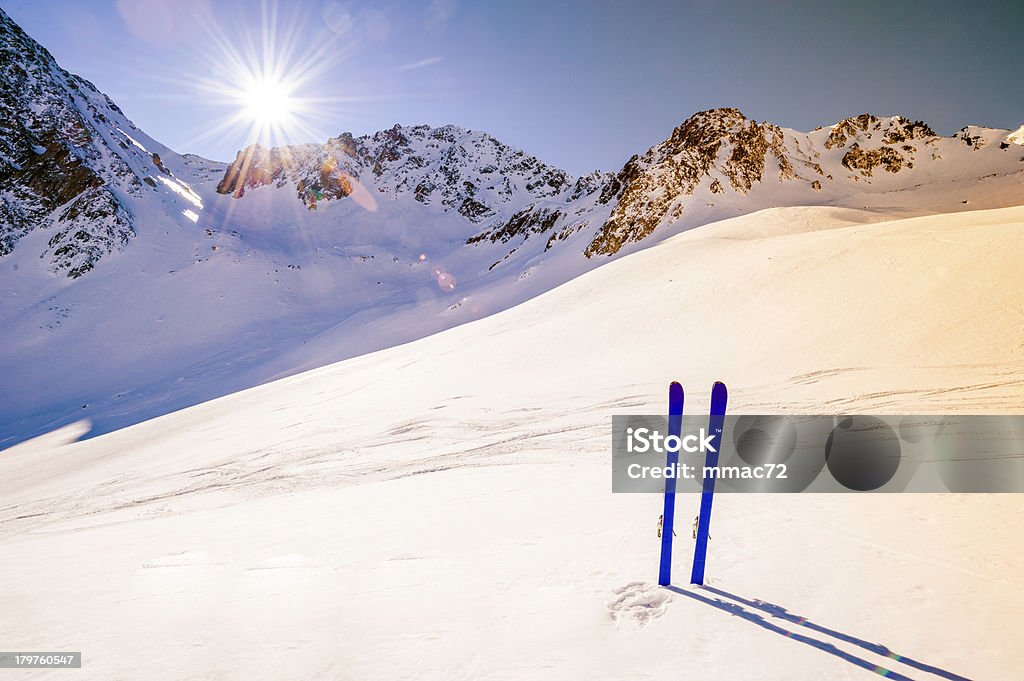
(719, 396)
(675, 427)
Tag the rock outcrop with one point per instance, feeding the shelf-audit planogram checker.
(720, 148)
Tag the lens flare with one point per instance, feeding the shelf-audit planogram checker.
(446, 281)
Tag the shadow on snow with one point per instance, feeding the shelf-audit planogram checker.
(751, 610)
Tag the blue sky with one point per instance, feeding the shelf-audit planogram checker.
(582, 85)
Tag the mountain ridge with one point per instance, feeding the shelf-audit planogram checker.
(718, 149)
(73, 163)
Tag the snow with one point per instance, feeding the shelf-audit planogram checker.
(441, 509)
(438, 505)
(131, 139)
(1017, 136)
(183, 190)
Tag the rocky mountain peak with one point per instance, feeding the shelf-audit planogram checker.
(720, 149)
(456, 169)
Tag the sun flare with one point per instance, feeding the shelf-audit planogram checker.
(268, 102)
(269, 80)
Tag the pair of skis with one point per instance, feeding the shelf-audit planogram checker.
(719, 397)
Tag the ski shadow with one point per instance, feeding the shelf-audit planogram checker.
(735, 606)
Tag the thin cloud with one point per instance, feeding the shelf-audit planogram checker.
(420, 64)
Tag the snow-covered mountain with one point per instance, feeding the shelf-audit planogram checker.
(138, 280)
(717, 157)
(722, 159)
(71, 163)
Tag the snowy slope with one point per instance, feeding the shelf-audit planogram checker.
(442, 509)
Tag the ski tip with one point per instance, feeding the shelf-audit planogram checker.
(719, 395)
(675, 398)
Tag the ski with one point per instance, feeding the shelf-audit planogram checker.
(675, 427)
(719, 397)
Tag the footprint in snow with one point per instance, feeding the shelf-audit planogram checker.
(638, 603)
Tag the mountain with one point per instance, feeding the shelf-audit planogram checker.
(714, 156)
(721, 156)
(139, 281)
(71, 163)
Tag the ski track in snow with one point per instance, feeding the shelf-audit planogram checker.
(438, 444)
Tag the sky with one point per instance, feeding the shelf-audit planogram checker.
(581, 85)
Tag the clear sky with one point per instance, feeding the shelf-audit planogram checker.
(582, 85)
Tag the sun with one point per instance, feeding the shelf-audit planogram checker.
(268, 102)
(269, 81)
